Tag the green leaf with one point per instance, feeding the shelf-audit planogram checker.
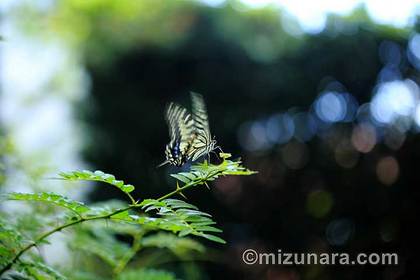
(127, 188)
(56, 199)
(208, 228)
(185, 232)
(151, 204)
(39, 270)
(99, 176)
(177, 216)
(204, 172)
(146, 274)
(213, 238)
(225, 155)
(178, 245)
(100, 242)
(176, 203)
(10, 241)
(105, 207)
(189, 212)
(186, 177)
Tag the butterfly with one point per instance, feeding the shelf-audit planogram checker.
(190, 136)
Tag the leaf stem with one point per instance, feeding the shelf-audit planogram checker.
(176, 191)
(133, 201)
(136, 246)
(179, 190)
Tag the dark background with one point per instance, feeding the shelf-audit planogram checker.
(302, 199)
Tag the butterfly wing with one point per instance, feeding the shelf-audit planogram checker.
(202, 143)
(181, 128)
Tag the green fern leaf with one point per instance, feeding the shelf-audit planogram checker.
(179, 217)
(10, 241)
(99, 176)
(56, 199)
(39, 270)
(178, 245)
(204, 172)
(176, 203)
(213, 238)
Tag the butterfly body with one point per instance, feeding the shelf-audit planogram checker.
(175, 154)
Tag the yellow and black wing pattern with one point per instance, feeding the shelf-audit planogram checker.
(181, 132)
(203, 143)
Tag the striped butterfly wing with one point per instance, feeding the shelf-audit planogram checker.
(181, 127)
(203, 142)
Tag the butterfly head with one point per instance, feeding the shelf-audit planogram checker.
(213, 144)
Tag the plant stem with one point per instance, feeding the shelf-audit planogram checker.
(187, 186)
(176, 191)
(133, 201)
(129, 255)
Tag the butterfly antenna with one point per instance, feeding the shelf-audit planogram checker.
(213, 152)
(163, 163)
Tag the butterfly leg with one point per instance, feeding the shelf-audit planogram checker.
(220, 149)
(218, 158)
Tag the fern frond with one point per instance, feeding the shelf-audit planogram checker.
(201, 173)
(182, 218)
(10, 242)
(39, 270)
(99, 176)
(49, 197)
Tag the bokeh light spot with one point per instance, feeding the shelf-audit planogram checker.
(417, 115)
(413, 50)
(345, 155)
(280, 128)
(331, 107)
(389, 73)
(390, 53)
(363, 137)
(319, 203)
(414, 45)
(389, 229)
(252, 136)
(387, 170)
(339, 231)
(393, 99)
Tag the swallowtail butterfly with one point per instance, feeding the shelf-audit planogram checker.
(190, 136)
